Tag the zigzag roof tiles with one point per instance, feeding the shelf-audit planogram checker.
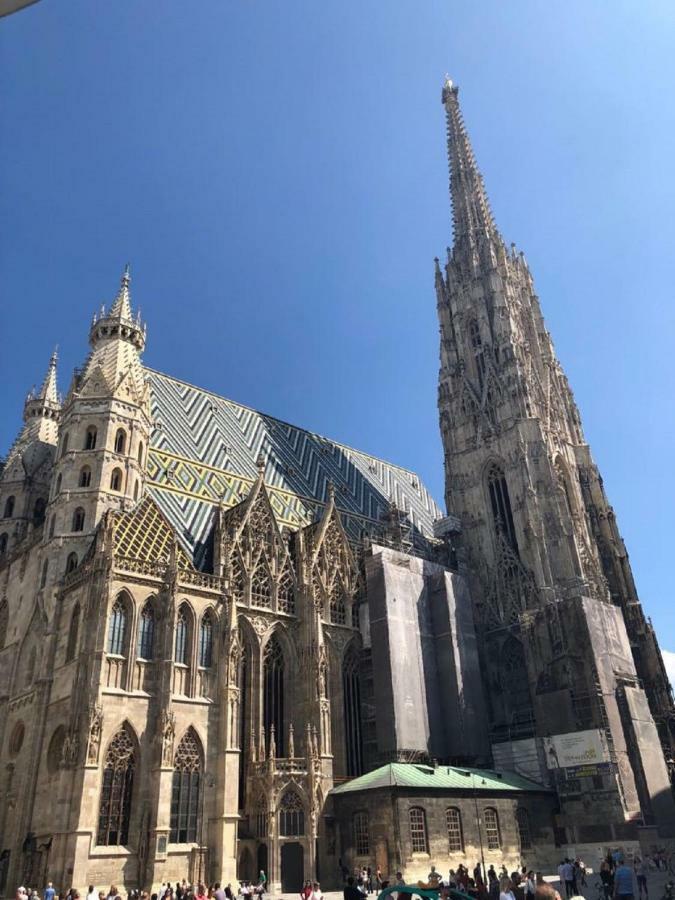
(204, 452)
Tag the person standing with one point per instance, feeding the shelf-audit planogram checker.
(624, 879)
(642, 870)
(530, 886)
(49, 892)
(506, 889)
(567, 875)
(91, 893)
(350, 892)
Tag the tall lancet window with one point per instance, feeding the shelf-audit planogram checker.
(501, 505)
(185, 790)
(116, 791)
(477, 350)
(273, 693)
(351, 687)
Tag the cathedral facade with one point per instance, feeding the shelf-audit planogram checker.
(211, 621)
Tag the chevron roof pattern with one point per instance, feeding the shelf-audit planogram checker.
(204, 452)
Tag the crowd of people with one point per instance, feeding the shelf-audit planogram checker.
(247, 890)
(618, 881)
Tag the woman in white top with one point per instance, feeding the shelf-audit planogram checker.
(506, 889)
(316, 892)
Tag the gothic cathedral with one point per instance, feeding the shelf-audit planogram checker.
(212, 622)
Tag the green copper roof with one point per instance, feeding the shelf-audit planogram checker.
(448, 778)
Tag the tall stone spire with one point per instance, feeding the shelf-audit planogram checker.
(548, 567)
(473, 222)
(48, 390)
(119, 322)
(42, 408)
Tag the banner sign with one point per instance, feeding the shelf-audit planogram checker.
(576, 748)
(604, 768)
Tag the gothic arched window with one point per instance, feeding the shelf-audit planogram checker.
(236, 579)
(523, 821)
(206, 641)
(351, 688)
(9, 508)
(146, 632)
(286, 593)
(71, 563)
(182, 637)
(73, 633)
(55, 750)
(4, 539)
(140, 453)
(116, 791)
(43, 576)
(39, 511)
(85, 477)
(117, 628)
(338, 607)
(120, 440)
(515, 681)
(453, 820)
(64, 444)
(116, 480)
(261, 593)
(90, 438)
(185, 790)
(59, 479)
(273, 692)
(136, 489)
(4, 623)
(361, 834)
(501, 506)
(78, 519)
(291, 815)
(492, 831)
(418, 830)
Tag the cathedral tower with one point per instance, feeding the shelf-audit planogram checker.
(550, 571)
(25, 477)
(105, 430)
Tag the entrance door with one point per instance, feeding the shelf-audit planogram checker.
(262, 859)
(292, 867)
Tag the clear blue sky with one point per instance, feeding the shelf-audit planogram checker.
(275, 172)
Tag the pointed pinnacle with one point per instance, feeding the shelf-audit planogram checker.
(121, 307)
(48, 390)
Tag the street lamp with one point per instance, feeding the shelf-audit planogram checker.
(480, 830)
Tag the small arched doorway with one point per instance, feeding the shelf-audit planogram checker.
(292, 866)
(245, 868)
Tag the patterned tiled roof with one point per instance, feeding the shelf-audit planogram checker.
(413, 775)
(145, 534)
(205, 448)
